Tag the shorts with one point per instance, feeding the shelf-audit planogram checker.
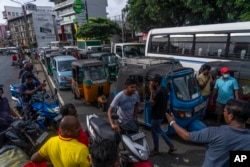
(219, 108)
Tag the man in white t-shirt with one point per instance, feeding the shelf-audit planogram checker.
(126, 103)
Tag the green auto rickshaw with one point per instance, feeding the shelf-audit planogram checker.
(110, 59)
(48, 61)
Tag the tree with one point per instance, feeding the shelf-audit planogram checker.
(98, 28)
(147, 14)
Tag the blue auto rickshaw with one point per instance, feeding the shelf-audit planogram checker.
(184, 99)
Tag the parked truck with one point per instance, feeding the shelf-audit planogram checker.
(92, 45)
(128, 50)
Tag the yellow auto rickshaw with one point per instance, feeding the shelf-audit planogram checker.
(90, 81)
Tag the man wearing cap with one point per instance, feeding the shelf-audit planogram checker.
(226, 88)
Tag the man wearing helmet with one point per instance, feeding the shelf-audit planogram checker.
(6, 112)
(158, 102)
(28, 68)
(226, 88)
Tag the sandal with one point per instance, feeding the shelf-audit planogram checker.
(172, 150)
(153, 152)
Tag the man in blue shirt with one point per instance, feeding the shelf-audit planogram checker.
(226, 88)
(221, 140)
(126, 103)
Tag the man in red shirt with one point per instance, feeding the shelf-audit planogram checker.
(69, 109)
(14, 59)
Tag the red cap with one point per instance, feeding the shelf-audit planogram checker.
(224, 70)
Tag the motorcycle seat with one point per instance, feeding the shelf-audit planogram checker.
(103, 129)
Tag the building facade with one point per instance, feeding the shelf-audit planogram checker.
(66, 16)
(37, 30)
(11, 12)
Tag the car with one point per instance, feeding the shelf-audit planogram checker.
(61, 69)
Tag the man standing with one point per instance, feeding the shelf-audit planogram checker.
(158, 102)
(64, 150)
(226, 88)
(205, 80)
(126, 103)
(221, 140)
(7, 114)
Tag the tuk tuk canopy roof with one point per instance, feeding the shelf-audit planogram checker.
(100, 54)
(57, 53)
(87, 63)
(164, 69)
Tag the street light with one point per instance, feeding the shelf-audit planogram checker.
(27, 35)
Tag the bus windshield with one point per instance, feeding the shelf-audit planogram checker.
(186, 88)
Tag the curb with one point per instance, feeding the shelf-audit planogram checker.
(52, 86)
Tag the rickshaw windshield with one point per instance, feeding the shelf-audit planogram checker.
(111, 59)
(97, 73)
(186, 88)
(64, 66)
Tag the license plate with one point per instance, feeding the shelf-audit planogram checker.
(200, 106)
(137, 136)
(58, 117)
(42, 137)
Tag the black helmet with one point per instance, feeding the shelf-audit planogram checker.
(28, 67)
(155, 77)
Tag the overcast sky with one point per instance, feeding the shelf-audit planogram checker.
(114, 6)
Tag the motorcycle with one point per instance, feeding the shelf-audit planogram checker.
(24, 134)
(42, 108)
(134, 150)
(47, 110)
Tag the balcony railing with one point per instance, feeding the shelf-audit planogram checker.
(65, 3)
(66, 12)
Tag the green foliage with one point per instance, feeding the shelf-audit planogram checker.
(98, 28)
(147, 14)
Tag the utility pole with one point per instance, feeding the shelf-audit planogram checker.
(122, 26)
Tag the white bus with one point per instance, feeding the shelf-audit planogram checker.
(196, 45)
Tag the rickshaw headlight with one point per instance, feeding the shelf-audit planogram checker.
(183, 114)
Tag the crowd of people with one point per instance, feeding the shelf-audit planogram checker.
(71, 147)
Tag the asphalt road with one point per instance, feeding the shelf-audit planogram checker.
(187, 155)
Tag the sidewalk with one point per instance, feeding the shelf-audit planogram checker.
(40, 74)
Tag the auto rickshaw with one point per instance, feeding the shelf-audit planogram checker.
(237, 69)
(85, 54)
(48, 60)
(184, 98)
(110, 59)
(90, 80)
